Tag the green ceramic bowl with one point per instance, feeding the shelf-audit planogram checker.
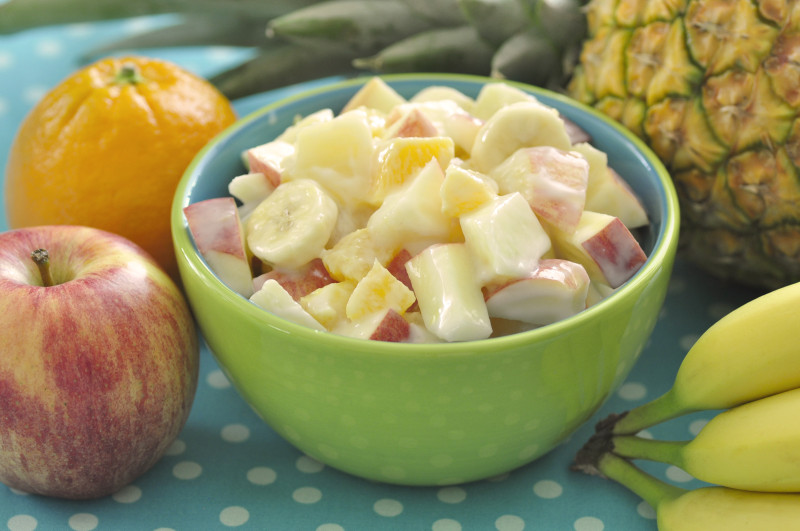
(426, 414)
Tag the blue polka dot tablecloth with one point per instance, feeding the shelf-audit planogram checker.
(229, 470)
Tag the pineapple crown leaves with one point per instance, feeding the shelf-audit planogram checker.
(533, 41)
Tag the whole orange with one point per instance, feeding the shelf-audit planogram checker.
(107, 147)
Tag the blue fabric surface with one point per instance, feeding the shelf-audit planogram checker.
(230, 470)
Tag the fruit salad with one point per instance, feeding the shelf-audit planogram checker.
(437, 218)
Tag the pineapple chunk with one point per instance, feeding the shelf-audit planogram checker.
(412, 217)
(449, 296)
(273, 298)
(400, 159)
(375, 94)
(505, 238)
(354, 255)
(464, 190)
(379, 290)
(327, 304)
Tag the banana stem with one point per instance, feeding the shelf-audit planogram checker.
(650, 489)
(634, 447)
(663, 408)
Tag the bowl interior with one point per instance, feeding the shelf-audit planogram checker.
(208, 175)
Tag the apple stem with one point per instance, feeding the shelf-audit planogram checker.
(42, 259)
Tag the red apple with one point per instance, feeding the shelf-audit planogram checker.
(98, 368)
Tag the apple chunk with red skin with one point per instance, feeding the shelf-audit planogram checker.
(555, 290)
(98, 369)
(604, 246)
(218, 234)
(297, 282)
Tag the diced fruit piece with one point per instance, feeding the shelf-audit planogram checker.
(378, 290)
(440, 93)
(412, 216)
(273, 298)
(604, 246)
(576, 134)
(297, 282)
(397, 267)
(463, 128)
(448, 293)
(597, 292)
(217, 232)
(375, 94)
(402, 158)
(553, 182)
(445, 116)
(464, 190)
(338, 155)
(417, 331)
(290, 135)
(250, 189)
(354, 255)
(495, 96)
(607, 192)
(555, 290)
(291, 226)
(523, 124)
(386, 325)
(414, 123)
(327, 304)
(269, 159)
(505, 238)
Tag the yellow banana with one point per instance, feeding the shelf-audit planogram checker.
(704, 509)
(749, 354)
(755, 446)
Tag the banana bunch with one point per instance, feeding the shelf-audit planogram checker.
(748, 365)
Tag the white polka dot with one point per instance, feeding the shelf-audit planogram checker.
(218, 380)
(234, 516)
(509, 522)
(330, 527)
(676, 474)
(588, 523)
(308, 465)
(696, 426)
(48, 48)
(163, 529)
(235, 433)
(6, 60)
(451, 495)
(307, 495)
(686, 342)
(646, 510)
(261, 475)
(632, 391)
(446, 524)
(388, 507)
(34, 93)
(187, 470)
(129, 494)
(22, 522)
(176, 448)
(548, 489)
(83, 522)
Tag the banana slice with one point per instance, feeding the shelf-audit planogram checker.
(293, 224)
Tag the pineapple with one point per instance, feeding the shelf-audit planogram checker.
(711, 85)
